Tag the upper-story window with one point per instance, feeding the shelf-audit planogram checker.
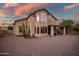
(38, 17)
(43, 17)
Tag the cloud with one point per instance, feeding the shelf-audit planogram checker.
(77, 14)
(3, 12)
(27, 7)
(7, 10)
(10, 5)
(69, 7)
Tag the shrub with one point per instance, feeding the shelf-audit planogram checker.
(10, 27)
(76, 27)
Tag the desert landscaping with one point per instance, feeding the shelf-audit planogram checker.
(62, 45)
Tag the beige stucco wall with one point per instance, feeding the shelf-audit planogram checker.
(52, 21)
(31, 25)
(16, 27)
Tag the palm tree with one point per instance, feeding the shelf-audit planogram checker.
(66, 24)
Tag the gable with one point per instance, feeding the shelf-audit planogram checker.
(38, 12)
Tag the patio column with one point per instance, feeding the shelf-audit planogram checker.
(52, 31)
(30, 28)
(64, 31)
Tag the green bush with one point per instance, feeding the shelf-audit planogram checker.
(76, 27)
(66, 23)
(10, 27)
(25, 30)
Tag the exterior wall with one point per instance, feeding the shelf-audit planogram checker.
(52, 21)
(16, 27)
(31, 25)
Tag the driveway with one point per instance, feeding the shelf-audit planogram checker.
(63, 45)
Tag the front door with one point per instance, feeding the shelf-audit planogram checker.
(49, 30)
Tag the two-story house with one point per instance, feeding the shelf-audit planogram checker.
(38, 23)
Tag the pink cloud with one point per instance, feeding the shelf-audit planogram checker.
(26, 8)
(70, 7)
(10, 5)
(3, 12)
(77, 14)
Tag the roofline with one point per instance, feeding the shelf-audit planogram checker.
(34, 13)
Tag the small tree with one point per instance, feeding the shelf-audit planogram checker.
(25, 30)
(10, 27)
(66, 24)
(76, 27)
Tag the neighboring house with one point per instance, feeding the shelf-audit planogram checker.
(4, 24)
(38, 23)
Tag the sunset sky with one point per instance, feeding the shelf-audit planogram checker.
(15, 11)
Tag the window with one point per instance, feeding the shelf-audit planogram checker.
(37, 17)
(43, 17)
(37, 30)
(43, 29)
(20, 29)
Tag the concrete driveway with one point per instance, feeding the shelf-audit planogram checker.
(63, 45)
